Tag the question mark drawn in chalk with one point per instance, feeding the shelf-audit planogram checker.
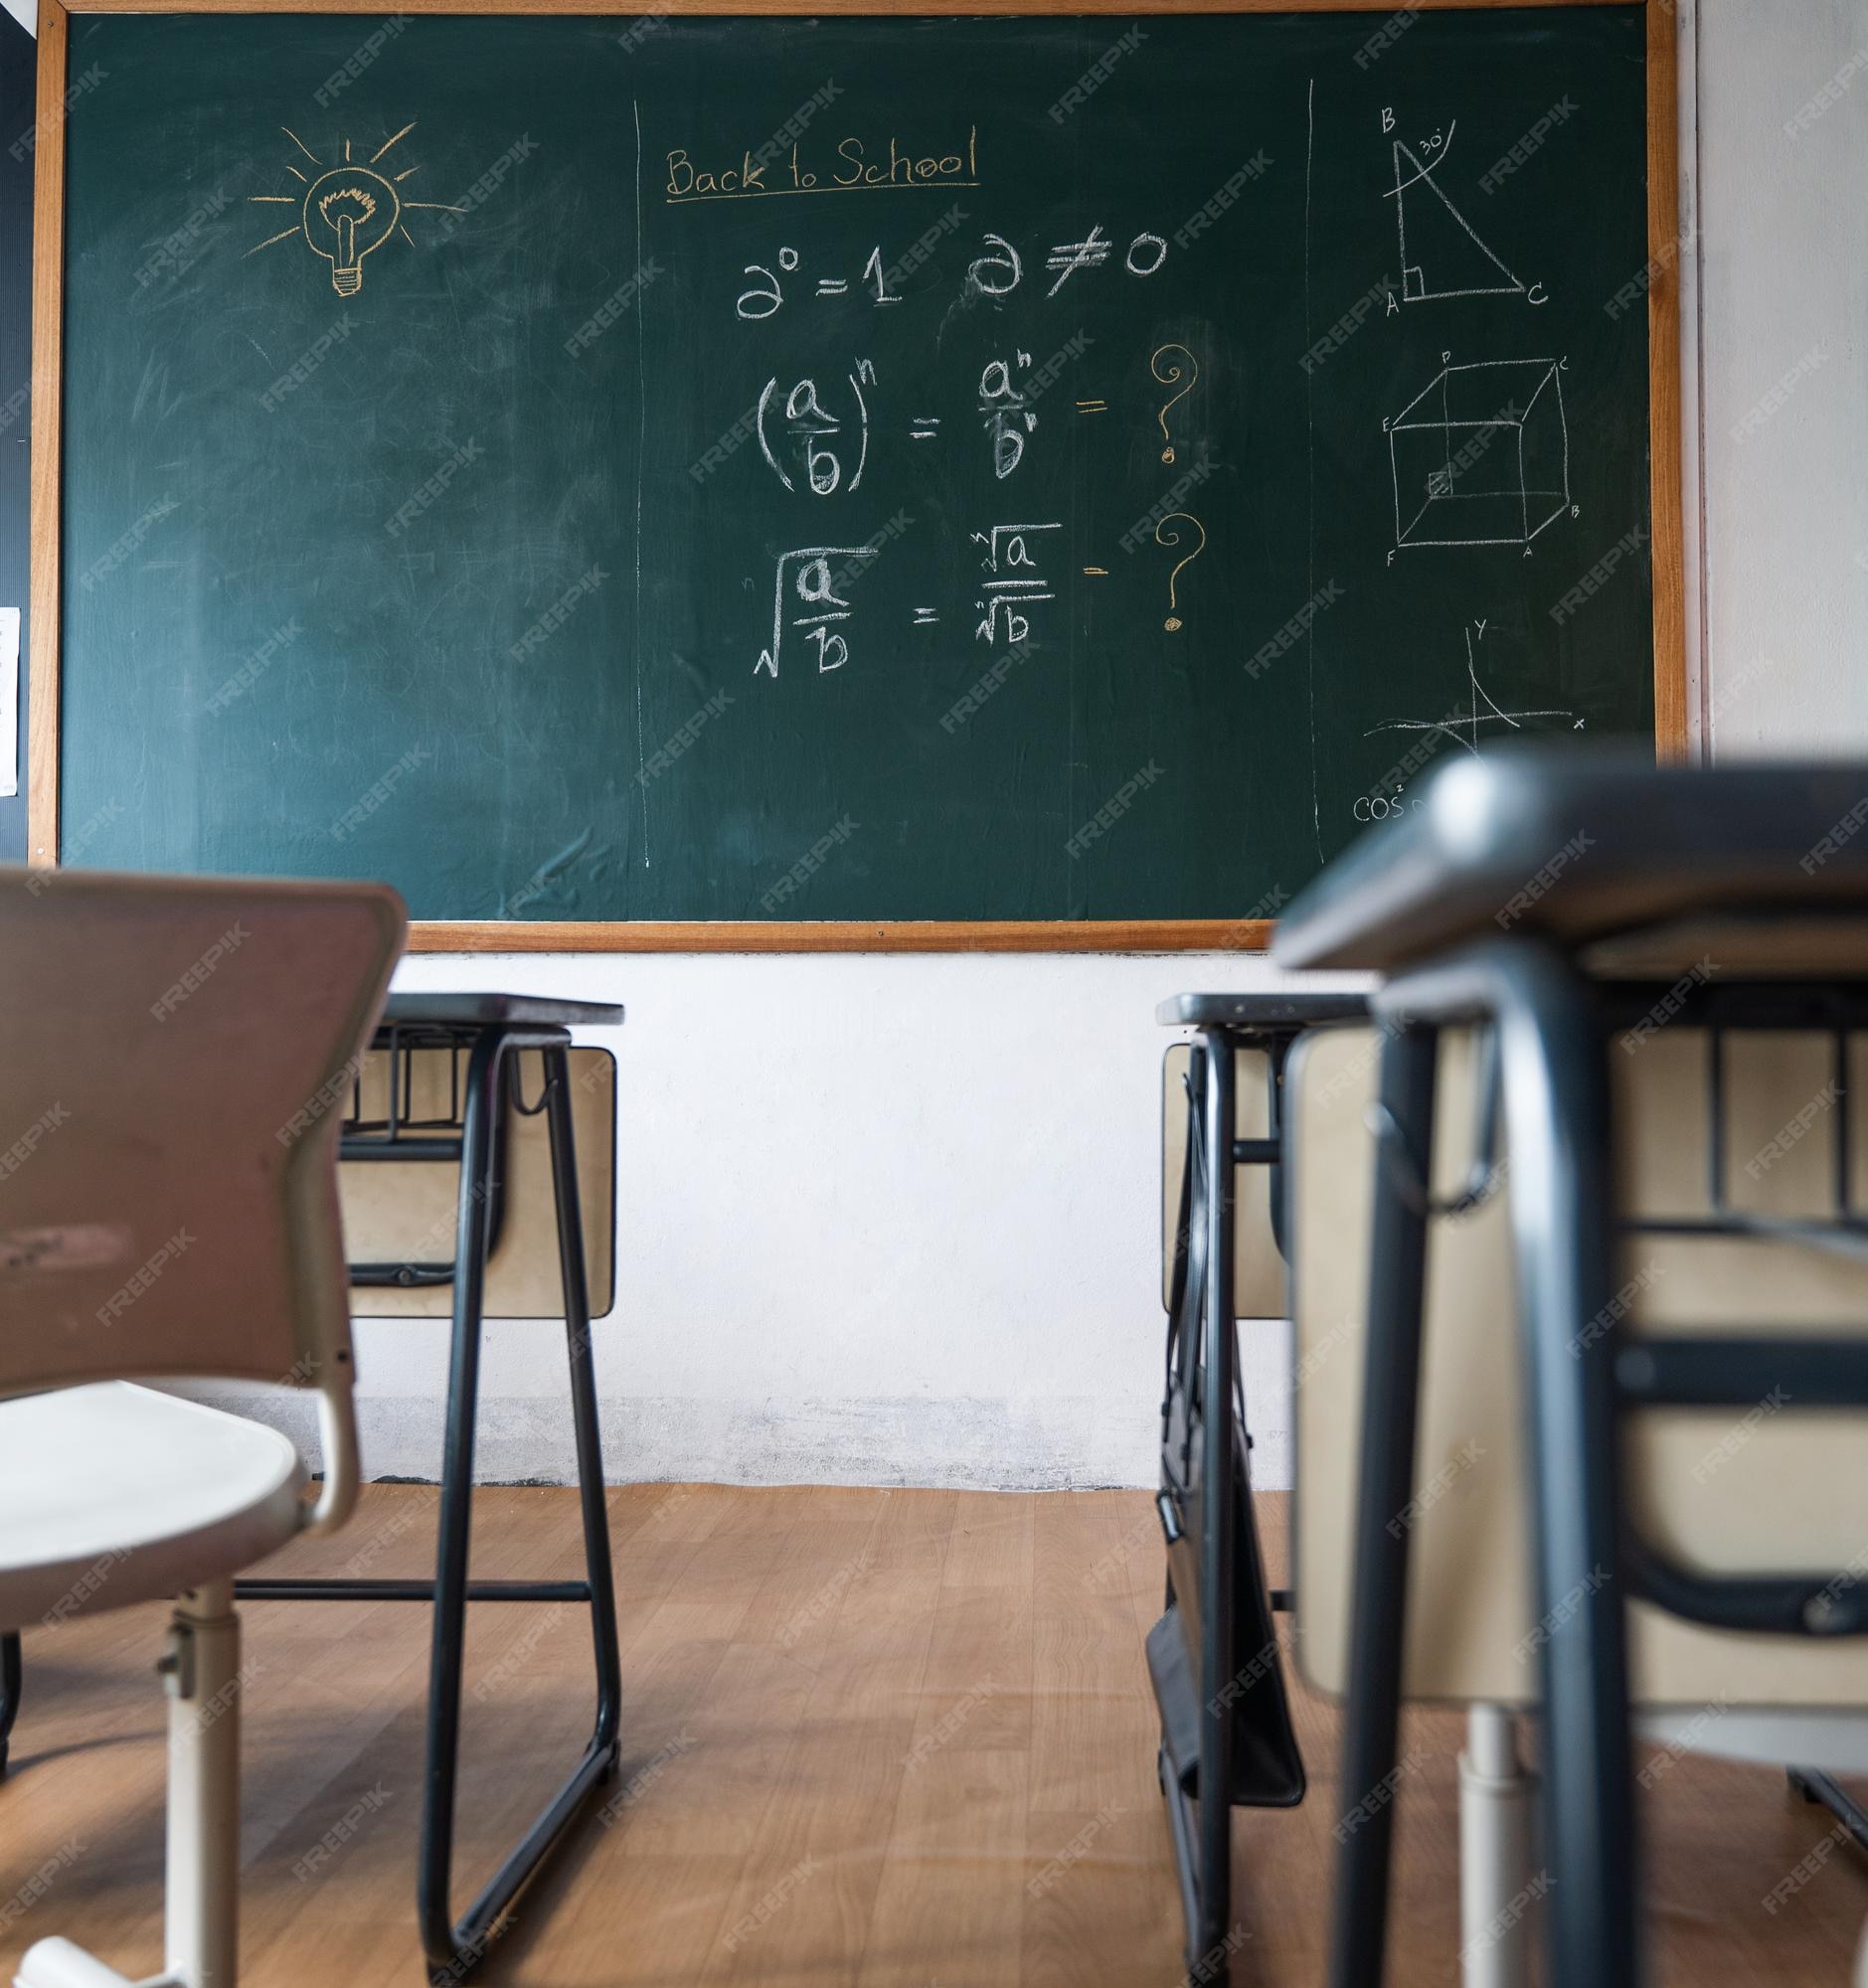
(1168, 379)
(1171, 540)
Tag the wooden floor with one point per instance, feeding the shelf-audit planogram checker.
(871, 1738)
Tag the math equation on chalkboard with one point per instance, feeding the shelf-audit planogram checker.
(920, 376)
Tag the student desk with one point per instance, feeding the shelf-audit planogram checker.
(1191, 1677)
(1555, 902)
(487, 1030)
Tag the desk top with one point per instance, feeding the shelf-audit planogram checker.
(1260, 1014)
(1578, 848)
(481, 1010)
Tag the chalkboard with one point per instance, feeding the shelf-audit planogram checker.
(779, 470)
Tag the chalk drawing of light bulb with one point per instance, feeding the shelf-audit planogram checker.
(349, 212)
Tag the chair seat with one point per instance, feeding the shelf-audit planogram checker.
(113, 1494)
(1786, 1737)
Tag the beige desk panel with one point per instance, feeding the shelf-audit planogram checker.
(1723, 1490)
(396, 1211)
(1259, 1269)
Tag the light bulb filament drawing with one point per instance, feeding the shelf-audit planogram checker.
(347, 214)
(349, 211)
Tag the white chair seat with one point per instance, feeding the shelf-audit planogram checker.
(1834, 1743)
(113, 1494)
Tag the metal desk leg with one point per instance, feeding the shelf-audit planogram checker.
(454, 1950)
(1209, 1963)
(12, 1677)
(1556, 1096)
(1377, 1596)
(1552, 1054)
(584, 1424)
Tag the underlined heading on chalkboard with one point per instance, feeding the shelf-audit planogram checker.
(853, 172)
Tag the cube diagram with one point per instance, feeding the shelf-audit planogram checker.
(1481, 456)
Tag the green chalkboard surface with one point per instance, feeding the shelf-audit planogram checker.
(793, 469)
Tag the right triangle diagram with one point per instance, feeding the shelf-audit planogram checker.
(1442, 254)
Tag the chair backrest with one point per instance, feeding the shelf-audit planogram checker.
(1258, 1265)
(1721, 1491)
(175, 1055)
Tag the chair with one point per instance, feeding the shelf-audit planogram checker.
(1513, 1386)
(174, 1051)
(1715, 1488)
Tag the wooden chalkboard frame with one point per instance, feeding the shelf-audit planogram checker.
(855, 935)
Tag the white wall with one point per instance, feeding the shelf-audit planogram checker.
(880, 1220)
(1785, 307)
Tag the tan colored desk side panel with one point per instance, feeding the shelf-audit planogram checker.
(398, 1213)
(1257, 1267)
(1770, 1489)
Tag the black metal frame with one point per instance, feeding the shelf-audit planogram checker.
(1552, 1027)
(1201, 1829)
(454, 1948)
(11, 1681)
